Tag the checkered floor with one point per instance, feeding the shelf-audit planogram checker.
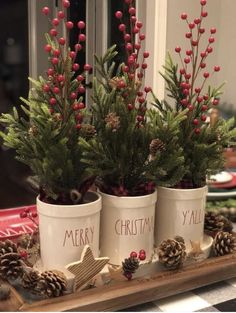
(220, 297)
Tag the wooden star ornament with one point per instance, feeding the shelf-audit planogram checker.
(88, 267)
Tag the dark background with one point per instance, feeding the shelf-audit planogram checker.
(14, 71)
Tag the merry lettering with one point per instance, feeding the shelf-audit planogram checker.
(192, 217)
(134, 227)
(78, 237)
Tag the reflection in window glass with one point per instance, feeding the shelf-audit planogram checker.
(13, 84)
(114, 35)
(77, 13)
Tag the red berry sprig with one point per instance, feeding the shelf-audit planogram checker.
(136, 64)
(56, 88)
(32, 215)
(193, 65)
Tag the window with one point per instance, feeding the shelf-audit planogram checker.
(14, 71)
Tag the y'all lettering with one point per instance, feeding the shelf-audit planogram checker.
(192, 217)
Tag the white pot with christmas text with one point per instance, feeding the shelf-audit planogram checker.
(66, 229)
(127, 224)
(180, 212)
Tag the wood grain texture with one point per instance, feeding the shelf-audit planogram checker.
(13, 303)
(120, 295)
(85, 269)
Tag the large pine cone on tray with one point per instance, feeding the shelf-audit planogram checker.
(216, 222)
(52, 284)
(11, 266)
(7, 246)
(224, 243)
(172, 252)
(130, 265)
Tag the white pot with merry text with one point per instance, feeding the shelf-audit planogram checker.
(180, 212)
(127, 224)
(66, 229)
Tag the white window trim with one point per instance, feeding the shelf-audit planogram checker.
(153, 14)
(101, 24)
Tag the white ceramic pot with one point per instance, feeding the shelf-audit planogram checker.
(180, 212)
(127, 224)
(66, 229)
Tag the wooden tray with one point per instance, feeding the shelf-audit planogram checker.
(120, 295)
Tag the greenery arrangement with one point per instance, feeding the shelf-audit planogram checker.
(202, 140)
(47, 137)
(128, 154)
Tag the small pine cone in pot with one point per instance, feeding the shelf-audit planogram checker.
(11, 266)
(224, 243)
(87, 131)
(30, 279)
(172, 252)
(130, 265)
(156, 145)
(216, 222)
(52, 284)
(7, 246)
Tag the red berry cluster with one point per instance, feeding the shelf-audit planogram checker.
(194, 64)
(141, 256)
(136, 64)
(133, 255)
(23, 254)
(56, 89)
(27, 213)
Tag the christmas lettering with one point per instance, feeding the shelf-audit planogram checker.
(192, 217)
(78, 237)
(134, 227)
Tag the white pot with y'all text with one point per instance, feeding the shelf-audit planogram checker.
(127, 224)
(65, 230)
(180, 212)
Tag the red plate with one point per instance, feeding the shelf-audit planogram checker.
(230, 184)
(12, 225)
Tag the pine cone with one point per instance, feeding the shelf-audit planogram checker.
(52, 283)
(180, 240)
(26, 241)
(11, 266)
(172, 253)
(216, 222)
(156, 145)
(112, 121)
(130, 265)
(7, 246)
(224, 243)
(30, 279)
(87, 131)
(228, 225)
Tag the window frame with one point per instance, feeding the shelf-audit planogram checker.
(153, 14)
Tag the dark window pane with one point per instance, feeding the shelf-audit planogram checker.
(13, 84)
(115, 36)
(77, 13)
